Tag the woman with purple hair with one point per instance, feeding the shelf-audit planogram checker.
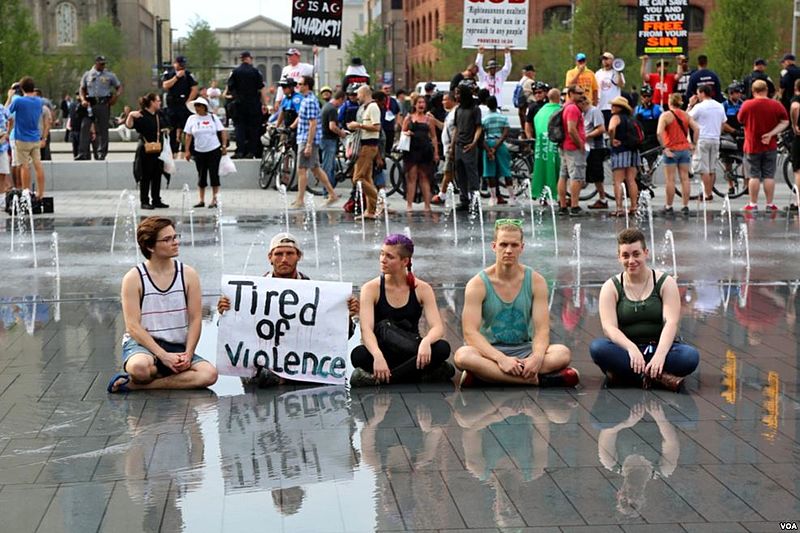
(391, 306)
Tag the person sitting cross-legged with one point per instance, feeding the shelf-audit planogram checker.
(640, 312)
(163, 317)
(506, 322)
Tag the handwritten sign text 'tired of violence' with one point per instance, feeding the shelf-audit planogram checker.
(295, 328)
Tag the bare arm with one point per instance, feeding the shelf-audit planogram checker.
(541, 326)
(431, 311)
(434, 140)
(672, 315)
(132, 313)
(794, 113)
(194, 308)
(663, 121)
(608, 320)
(572, 129)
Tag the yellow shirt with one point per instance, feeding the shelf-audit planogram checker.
(586, 80)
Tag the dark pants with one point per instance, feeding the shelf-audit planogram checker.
(151, 179)
(248, 129)
(100, 117)
(606, 117)
(207, 164)
(403, 369)
(682, 359)
(467, 176)
(75, 139)
(389, 133)
(177, 115)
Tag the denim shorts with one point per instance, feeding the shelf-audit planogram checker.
(130, 347)
(520, 351)
(679, 157)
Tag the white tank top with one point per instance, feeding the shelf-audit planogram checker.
(164, 312)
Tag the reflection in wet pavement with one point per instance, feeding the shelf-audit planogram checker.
(723, 454)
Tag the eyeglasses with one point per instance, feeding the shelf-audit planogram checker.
(508, 222)
(170, 239)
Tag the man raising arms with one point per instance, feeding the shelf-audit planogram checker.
(506, 322)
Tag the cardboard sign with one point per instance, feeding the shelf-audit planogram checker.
(661, 28)
(495, 23)
(317, 22)
(295, 328)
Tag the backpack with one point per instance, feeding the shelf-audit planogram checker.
(519, 98)
(634, 134)
(555, 127)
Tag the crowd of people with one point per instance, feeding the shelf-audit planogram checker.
(464, 132)
(505, 320)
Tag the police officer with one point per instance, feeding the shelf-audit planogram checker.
(349, 110)
(99, 90)
(246, 86)
(648, 113)
(181, 87)
(290, 105)
(758, 73)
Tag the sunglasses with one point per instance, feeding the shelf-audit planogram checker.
(508, 222)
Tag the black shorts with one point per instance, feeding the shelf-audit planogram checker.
(594, 165)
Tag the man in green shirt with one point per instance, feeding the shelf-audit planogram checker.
(546, 161)
(506, 322)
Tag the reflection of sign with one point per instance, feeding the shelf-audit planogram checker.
(317, 22)
(298, 438)
(661, 28)
(495, 23)
(297, 329)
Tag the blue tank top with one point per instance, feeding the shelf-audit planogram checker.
(507, 322)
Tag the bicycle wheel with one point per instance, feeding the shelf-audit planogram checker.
(521, 172)
(397, 177)
(788, 172)
(266, 170)
(287, 170)
(730, 168)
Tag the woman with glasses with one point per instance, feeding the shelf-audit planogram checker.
(392, 304)
(640, 312)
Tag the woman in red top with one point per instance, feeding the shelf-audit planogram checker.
(673, 134)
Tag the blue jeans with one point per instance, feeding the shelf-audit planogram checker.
(682, 359)
(329, 147)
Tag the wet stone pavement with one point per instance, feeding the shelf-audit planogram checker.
(721, 456)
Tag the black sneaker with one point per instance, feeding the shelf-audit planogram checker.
(361, 378)
(147, 206)
(160, 205)
(792, 208)
(668, 211)
(563, 211)
(575, 211)
(685, 210)
(441, 373)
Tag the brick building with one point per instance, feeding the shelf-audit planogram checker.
(425, 19)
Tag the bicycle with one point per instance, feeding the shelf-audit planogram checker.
(279, 159)
(785, 151)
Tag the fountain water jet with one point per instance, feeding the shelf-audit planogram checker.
(312, 208)
(116, 216)
(28, 205)
(57, 270)
(476, 199)
(625, 203)
(726, 209)
(450, 200)
(360, 194)
(337, 244)
(548, 194)
(285, 199)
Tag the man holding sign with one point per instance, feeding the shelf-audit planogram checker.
(284, 255)
(162, 325)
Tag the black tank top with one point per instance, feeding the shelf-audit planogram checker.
(406, 317)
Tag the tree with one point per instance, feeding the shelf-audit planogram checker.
(371, 48)
(603, 26)
(733, 41)
(20, 46)
(451, 58)
(102, 38)
(202, 49)
(549, 53)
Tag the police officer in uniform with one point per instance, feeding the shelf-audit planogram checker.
(246, 86)
(99, 90)
(181, 87)
(290, 105)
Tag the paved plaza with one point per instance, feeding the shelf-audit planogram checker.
(720, 456)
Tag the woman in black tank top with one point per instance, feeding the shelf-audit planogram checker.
(391, 306)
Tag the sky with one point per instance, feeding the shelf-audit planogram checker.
(183, 12)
